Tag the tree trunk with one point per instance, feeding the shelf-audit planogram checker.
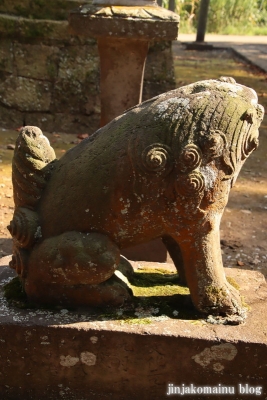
(202, 20)
(172, 5)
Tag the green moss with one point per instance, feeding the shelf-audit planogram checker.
(153, 298)
(137, 321)
(33, 30)
(8, 27)
(25, 28)
(244, 304)
(232, 282)
(39, 9)
(157, 292)
(215, 290)
(156, 283)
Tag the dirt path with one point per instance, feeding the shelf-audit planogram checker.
(243, 228)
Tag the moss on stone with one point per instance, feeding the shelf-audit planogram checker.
(25, 28)
(156, 293)
(215, 290)
(156, 283)
(137, 321)
(232, 282)
(7, 26)
(40, 9)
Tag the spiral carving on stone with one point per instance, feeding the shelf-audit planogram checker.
(157, 158)
(24, 227)
(213, 144)
(190, 185)
(190, 158)
(19, 261)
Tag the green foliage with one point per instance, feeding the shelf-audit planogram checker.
(244, 17)
(242, 14)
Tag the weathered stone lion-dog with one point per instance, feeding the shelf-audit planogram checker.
(164, 169)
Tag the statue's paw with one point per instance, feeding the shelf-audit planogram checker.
(223, 302)
(114, 293)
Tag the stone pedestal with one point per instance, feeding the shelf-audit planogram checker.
(82, 355)
(123, 30)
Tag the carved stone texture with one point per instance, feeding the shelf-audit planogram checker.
(162, 169)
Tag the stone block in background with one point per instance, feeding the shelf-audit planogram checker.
(27, 95)
(36, 61)
(40, 9)
(51, 77)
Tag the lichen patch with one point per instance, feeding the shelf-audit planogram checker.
(68, 361)
(224, 351)
(88, 358)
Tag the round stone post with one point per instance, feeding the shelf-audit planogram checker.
(121, 75)
(123, 29)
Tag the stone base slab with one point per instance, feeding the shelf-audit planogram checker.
(60, 354)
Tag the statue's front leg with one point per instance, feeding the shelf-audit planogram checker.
(209, 289)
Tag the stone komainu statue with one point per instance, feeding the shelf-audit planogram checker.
(162, 169)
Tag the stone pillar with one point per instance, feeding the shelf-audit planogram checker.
(123, 29)
(121, 77)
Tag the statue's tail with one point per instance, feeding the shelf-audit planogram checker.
(30, 167)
